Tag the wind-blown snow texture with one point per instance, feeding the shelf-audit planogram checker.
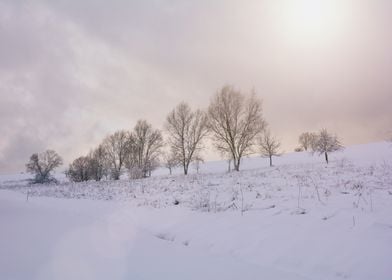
(301, 219)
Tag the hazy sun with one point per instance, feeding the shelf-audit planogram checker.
(304, 21)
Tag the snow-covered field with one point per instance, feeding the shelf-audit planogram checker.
(300, 219)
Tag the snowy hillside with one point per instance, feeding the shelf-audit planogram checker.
(301, 219)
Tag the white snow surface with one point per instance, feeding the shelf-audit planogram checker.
(301, 219)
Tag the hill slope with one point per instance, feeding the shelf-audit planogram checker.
(301, 219)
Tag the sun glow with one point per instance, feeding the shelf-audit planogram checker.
(310, 21)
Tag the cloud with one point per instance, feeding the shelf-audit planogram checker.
(73, 71)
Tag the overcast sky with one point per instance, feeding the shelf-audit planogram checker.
(72, 72)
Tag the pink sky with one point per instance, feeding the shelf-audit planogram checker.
(73, 71)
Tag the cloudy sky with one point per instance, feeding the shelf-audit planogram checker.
(72, 72)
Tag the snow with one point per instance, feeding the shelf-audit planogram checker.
(301, 219)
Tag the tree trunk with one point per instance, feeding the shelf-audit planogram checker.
(326, 157)
(237, 165)
(270, 160)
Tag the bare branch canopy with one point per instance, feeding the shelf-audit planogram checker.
(235, 120)
(186, 129)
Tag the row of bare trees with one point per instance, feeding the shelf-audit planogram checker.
(233, 121)
(322, 142)
(136, 151)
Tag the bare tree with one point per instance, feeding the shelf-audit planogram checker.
(41, 165)
(145, 149)
(152, 165)
(327, 143)
(197, 161)
(314, 142)
(235, 120)
(307, 140)
(79, 169)
(186, 131)
(99, 165)
(269, 146)
(116, 148)
(170, 161)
